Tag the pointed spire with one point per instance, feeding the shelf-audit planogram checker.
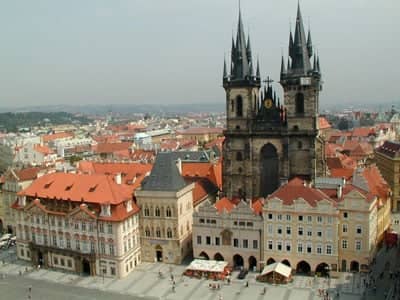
(225, 75)
(300, 55)
(283, 69)
(318, 67)
(315, 64)
(309, 44)
(258, 69)
(288, 65)
(291, 45)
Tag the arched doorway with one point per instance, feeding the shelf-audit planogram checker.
(40, 259)
(354, 266)
(303, 267)
(85, 267)
(218, 257)
(269, 170)
(204, 255)
(286, 262)
(237, 261)
(252, 263)
(159, 253)
(322, 270)
(270, 261)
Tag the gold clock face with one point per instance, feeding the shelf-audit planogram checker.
(268, 103)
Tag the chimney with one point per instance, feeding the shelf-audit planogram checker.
(118, 178)
(179, 165)
(343, 181)
(339, 191)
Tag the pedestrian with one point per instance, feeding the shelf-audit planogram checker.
(173, 289)
(247, 284)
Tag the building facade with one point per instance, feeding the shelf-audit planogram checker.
(88, 224)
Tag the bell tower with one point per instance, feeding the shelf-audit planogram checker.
(301, 83)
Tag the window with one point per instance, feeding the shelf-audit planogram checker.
(158, 232)
(102, 248)
(245, 243)
(147, 232)
(300, 247)
(358, 245)
(33, 237)
(319, 219)
(92, 246)
(319, 233)
(208, 240)
(330, 220)
(279, 246)
(61, 242)
(69, 262)
(358, 229)
(329, 249)
(112, 271)
(169, 233)
(54, 240)
(37, 220)
(309, 231)
(270, 228)
(239, 156)
(76, 226)
(146, 212)
(319, 249)
(83, 226)
(329, 233)
(309, 219)
(90, 227)
(300, 231)
(158, 211)
(199, 240)
(66, 224)
(345, 215)
(101, 227)
(288, 230)
(288, 247)
(77, 244)
(56, 260)
(279, 230)
(217, 241)
(249, 224)
(239, 106)
(309, 248)
(344, 228)
(45, 239)
(68, 243)
(299, 103)
(235, 243)
(111, 248)
(279, 217)
(255, 244)
(300, 218)
(344, 244)
(168, 212)
(62, 262)
(270, 245)
(110, 228)
(269, 216)
(288, 218)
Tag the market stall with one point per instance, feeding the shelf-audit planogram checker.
(277, 272)
(211, 269)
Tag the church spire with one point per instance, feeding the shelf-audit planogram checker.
(225, 75)
(309, 44)
(283, 69)
(298, 51)
(258, 69)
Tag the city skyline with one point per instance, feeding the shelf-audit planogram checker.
(137, 53)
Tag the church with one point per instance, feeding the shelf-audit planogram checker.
(269, 141)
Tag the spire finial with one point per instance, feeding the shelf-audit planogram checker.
(258, 68)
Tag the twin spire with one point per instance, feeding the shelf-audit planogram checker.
(300, 52)
(242, 66)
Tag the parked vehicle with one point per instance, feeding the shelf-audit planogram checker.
(5, 237)
(3, 244)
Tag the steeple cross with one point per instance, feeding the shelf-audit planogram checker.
(268, 81)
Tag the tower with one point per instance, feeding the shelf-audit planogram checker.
(268, 141)
(301, 84)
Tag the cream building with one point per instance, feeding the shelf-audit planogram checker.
(87, 224)
(229, 231)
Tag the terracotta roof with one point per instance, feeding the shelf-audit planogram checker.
(111, 147)
(323, 123)
(295, 189)
(362, 132)
(60, 135)
(226, 205)
(391, 149)
(211, 171)
(43, 149)
(200, 130)
(376, 183)
(257, 205)
(28, 173)
(77, 187)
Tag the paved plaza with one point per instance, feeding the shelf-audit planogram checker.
(146, 283)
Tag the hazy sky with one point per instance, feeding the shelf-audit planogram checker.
(171, 51)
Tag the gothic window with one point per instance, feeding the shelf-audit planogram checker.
(269, 169)
(168, 212)
(158, 232)
(169, 233)
(299, 103)
(247, 150)
(157, 211)
(146, 211)
(239, 106)
(147, 231)
(239, 156)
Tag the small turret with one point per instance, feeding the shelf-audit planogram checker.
(309, 44)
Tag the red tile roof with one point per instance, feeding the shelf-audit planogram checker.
(60, 135)
(200, 130)
(323, 123)
(111, 147)
(376, 183)
(295, 189)
(342, 172)
(211, 171)
(43, 149)
(77, 187)
(226, 205)
(28, 173)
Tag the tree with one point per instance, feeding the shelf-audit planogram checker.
(343, 124)
(6, 157)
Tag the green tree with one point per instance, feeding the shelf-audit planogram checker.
(6, 157)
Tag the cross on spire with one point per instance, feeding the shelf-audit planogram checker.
(268, 81)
